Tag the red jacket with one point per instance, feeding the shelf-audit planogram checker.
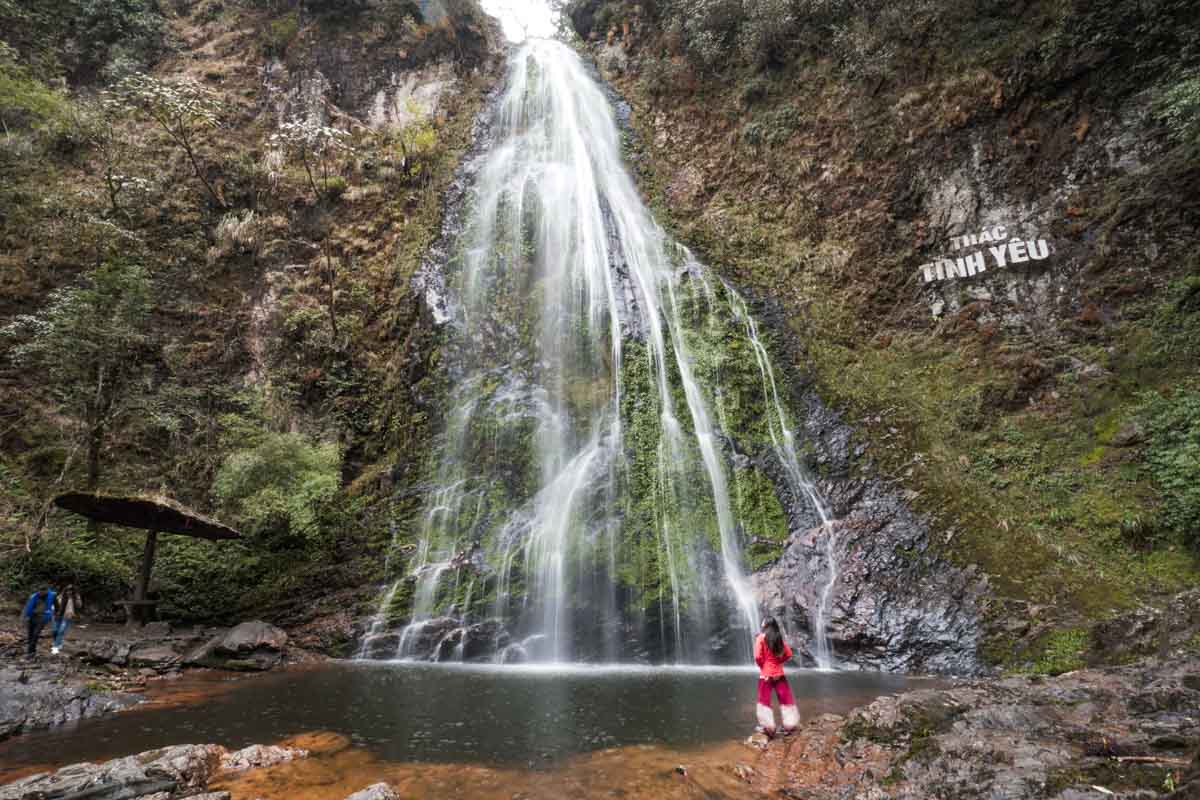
(769, 664)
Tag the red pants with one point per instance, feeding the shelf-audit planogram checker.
(787, 705)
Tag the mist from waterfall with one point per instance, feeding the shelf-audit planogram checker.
(589, 501)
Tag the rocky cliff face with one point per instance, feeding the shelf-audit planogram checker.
(975, 228)
(277, 304)
(891, 602)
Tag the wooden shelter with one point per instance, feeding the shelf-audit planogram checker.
(154, 515)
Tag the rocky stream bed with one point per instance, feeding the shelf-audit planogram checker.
(107, 668)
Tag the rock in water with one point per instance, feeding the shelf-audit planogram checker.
(249, 646)
(257, 756)
(376, 791)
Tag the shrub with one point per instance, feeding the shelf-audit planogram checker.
(25, 102)
(280, 33)
(767, 32)
(236, 233)
(281, 489)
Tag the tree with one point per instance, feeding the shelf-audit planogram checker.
(315, 146)
(99, 124)
(89, 345)
(182, 108)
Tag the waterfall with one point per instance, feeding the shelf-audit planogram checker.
(589, 500)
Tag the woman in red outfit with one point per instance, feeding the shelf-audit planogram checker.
(770, 653)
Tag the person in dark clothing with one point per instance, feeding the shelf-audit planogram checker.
(39, 610)
(66, 608)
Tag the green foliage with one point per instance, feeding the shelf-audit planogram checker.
(98, 567)
(280, 33)
(91, 41)
(1173, 457)
(90, 347)
(1178, 107)
(96, 329)
(282, 488)
(773, 127)
(1061, 651)
(25, 102)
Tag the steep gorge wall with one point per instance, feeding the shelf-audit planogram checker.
(831, 162)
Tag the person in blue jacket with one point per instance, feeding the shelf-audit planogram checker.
(39, 610)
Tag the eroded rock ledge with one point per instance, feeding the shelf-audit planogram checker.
(1127, 732)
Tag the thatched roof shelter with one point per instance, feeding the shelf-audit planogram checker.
(154, 515)
(158, 513)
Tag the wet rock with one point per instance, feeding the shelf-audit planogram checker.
(381, 645)
(157, 657)
(1148, 631)
(1129, 434)
(168, 770)
(426, 638)
(103, 651)
(156, 630)
(483, 640)
(43, 696)
(249, 646)
(376, 791)
(257, 756)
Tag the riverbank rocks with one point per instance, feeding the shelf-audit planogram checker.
(1126, 732)
(253, 645)
(166, 774)
(376, 791)
(43, 695)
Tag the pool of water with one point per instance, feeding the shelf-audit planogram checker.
(510, 718)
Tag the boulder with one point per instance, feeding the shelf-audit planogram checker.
(158, 657)
(482, 640)
(169, 770)
(376, 791)
(249, 646)
(381, 645)
(103, 651)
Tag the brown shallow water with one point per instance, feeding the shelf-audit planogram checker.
(462, 731)
(637, 771)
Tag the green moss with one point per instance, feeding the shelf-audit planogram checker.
(762, 515)
(1059, 652)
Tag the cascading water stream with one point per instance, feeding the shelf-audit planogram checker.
(783, 440)
(582, 506)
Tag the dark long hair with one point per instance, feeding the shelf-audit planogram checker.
(770, 627)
